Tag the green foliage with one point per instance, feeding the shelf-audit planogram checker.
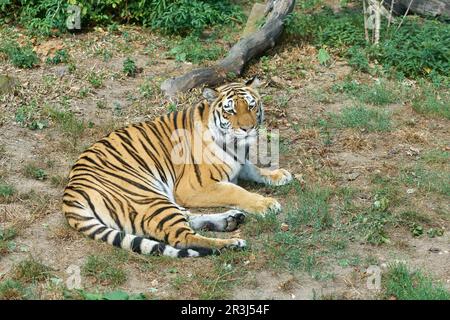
(404, 284)
(323, 56)
(39, 17)
(34, 172)
(129, 67)
(29, 116)
(6, 190)
(429, 100)
(67, 121)
(31, 270)
(379, 93)
(417, 48)
(427, 180)
(20, 56)
(360, 117)
(96, 80)
(193, 50)
(420, 48)
(113, 295)
(60, 56)
(187, 16)
(6, 237)
(48, 17)
(12, 290)
(105, 270)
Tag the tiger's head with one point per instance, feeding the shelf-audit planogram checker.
(236, 111)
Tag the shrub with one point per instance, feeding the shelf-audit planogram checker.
(46, 17)
(129, 67)
(420, 48)
(193, 50)
(20, 56)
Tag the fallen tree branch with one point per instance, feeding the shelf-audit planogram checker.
(239, 55)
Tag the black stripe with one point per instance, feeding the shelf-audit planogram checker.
(136, 244)
(169, 217)
(118, 239)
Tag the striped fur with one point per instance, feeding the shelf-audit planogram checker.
(126, 189)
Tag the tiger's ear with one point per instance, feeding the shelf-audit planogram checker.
(253, 82)
(210, 94)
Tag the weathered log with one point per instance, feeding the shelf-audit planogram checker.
(427, 8)
(240, 54)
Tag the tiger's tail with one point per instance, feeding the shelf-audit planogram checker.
(98, 231)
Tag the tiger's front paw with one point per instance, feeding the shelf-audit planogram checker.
(278, 177)
(264, 206)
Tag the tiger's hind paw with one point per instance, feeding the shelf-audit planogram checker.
(237, 244)
(233, 219)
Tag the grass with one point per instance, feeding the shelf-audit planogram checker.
(129, 67)
(34, 172)
(379, 94)
(436, 157)
(20, 56)
(427, 180)
(29, 116)
(104, 269)
(403, 284)
(194, 50)
(30, 271)
(430, 101)
(6, 240)
(12, 290)
(360, 117)
(312, 237)
(6, 190)
(67, 121)
(96, 80)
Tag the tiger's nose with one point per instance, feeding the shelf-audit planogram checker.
(247, 128)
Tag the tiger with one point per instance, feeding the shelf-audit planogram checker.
(127, 190)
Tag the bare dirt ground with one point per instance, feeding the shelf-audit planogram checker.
(297, 94)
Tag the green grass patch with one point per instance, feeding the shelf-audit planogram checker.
(6, 240)
(436, 157)
(359, 117)
(112, 295)
(6, 190)
(60, 56)
(427, 180)
(194, 50)
(34, 172)
(402, 283)
(378, 94)
(20, 56)
(419, 48)
(432, 101)
(30, 271)
(29, 116)
(312, 237)
(105, 269)
(67, 121)
(129, 67)
(13, 290)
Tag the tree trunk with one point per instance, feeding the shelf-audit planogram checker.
(240, 54)
(433, 8)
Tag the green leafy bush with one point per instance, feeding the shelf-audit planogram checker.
(129, 67)
(419, 48)
(193, 50)
(20, 56)
(46, 17)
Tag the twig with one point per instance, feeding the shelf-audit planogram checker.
(366, 31)
(390, 13)
(404, 16)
